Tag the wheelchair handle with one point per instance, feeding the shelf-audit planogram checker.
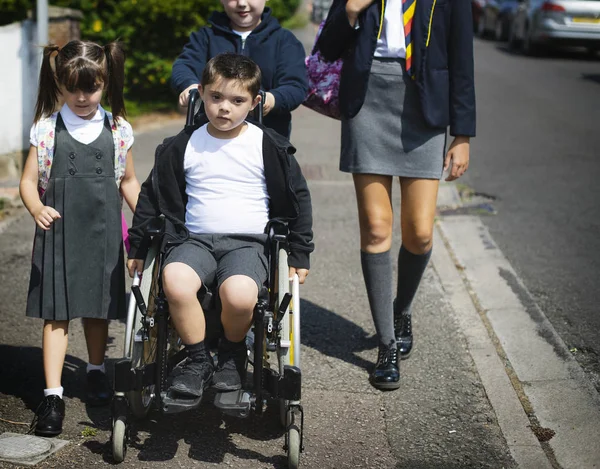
(259, 110)
(193, 103)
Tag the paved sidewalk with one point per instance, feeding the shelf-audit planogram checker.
(457, 406)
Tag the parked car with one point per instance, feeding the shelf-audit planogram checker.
(549, 23)
(496, 18)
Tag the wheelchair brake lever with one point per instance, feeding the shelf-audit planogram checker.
(283, 306)
(139, 299)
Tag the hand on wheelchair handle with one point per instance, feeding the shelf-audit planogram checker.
(184, 96)
(134, 265)
(302, 274)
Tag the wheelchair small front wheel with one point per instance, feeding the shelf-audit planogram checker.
(293, 447)
(119, 440)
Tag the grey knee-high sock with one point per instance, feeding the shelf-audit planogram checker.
(410, 271)
(377, 272)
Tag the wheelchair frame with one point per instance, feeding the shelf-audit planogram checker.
(152, 348)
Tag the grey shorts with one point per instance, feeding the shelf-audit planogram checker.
(216, 257)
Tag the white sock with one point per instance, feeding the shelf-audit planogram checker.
(91, 367)
(54, 391)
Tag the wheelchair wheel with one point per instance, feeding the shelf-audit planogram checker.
(119, 440)
(293, 447)
(289, 347)
(143, 348)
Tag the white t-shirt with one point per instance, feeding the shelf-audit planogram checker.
(391, 43)
(225, 183)
(82, 130)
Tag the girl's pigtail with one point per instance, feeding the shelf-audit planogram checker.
(115, 59)
(48, 88)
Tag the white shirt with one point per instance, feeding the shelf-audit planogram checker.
(82, 130)
(225, 183)
(242, 34)
(391, 43)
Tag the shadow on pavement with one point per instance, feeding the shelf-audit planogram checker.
(595, 77)
(210, 435)
(22, 374)
(566, 53)
(334, 335)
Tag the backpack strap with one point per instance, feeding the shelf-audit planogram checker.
(45, 149)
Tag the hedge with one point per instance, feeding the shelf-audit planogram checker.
(153, 32)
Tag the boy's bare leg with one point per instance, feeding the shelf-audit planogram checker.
(181, 284)
(238, 297)
(54, 348)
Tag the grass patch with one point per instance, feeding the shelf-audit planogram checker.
(298, 21)
(89, 432)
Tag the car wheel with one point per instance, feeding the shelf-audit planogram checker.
(499, 31)
(513, 42)
(529, 47)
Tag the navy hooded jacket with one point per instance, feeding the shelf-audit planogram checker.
(276, 50)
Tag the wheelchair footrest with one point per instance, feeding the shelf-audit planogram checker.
(173, 404)
(234, 403)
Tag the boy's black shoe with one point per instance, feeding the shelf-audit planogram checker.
(191, 378)
(404, 336)
(98, 392)
(231, 366)
(49, 416)
(386, 374)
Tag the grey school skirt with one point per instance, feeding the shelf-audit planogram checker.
(389, 134)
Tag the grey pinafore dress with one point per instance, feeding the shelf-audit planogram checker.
(78, 265)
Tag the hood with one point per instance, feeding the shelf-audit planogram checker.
(268, 24)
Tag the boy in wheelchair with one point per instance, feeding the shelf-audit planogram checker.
(217, 185)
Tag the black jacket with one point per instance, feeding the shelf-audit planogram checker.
(163, 192)
(442, 59)
(276, 50)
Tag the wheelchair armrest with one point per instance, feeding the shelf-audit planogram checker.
(277, 230)
(156, 227)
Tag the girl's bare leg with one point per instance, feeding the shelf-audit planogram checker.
(96, 335)
(54, 348)
(375, 213)
(419, 197)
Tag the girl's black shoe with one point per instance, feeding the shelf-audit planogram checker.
(98, 392)
(404, 336)
(49, 416)
(386, 374)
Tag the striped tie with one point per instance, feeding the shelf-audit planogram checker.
(408, 9)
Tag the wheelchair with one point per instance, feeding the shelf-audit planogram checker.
(152, 347)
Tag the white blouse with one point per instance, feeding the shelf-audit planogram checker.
(391, 43)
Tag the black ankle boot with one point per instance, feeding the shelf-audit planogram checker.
(386, 374)
(49, 416)
(404, 336)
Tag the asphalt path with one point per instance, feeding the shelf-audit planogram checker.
(538, 152)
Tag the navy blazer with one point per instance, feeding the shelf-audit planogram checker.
(442, 59)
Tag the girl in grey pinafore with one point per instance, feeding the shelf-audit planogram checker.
(78, 265)
(79, 165)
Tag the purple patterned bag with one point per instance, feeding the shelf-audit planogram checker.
(323, 82)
